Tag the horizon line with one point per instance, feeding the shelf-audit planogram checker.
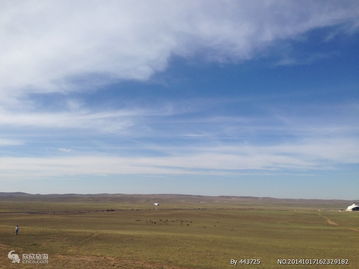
(179, 194)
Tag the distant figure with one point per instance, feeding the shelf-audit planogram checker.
(17, 229)
(156, 205)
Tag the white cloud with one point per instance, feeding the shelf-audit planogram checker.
(61, 46)
(305, 156)
(105, 121)
(10, 142)
(66, 150)
(47, 45)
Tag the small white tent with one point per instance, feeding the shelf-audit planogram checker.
(352, 207)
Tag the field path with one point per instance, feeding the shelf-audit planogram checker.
(330, 222)
(327, 219)
(92, 236)
(333, 223)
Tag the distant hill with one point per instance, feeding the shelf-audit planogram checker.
(169, 199)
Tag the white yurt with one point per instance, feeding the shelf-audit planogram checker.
(353, 207)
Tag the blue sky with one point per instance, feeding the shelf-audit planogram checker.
(202, 97)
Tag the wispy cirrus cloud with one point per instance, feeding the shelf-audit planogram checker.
(217, 145)
(10, 142)
(105, 121)
(234, 159)
(66, 150)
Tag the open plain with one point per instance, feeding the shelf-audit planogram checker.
(127, 231)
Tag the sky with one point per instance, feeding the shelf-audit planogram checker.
(248, 98)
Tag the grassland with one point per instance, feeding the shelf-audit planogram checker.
(120, 231)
